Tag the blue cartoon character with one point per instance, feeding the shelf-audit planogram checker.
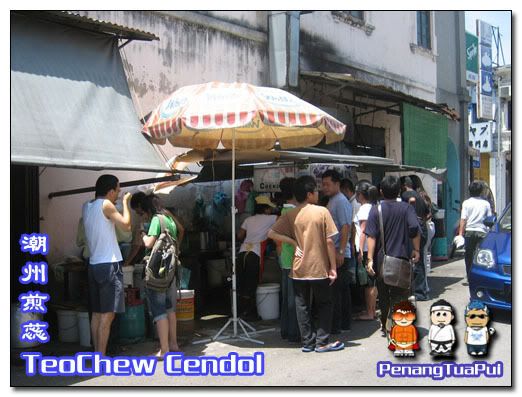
(441, 336)
(477, 334)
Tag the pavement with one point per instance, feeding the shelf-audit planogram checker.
(286, 365)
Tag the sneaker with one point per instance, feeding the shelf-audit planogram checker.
(307, 349)
(331, 347)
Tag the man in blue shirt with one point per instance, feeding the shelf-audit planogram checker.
(401, 232)
(341, 211)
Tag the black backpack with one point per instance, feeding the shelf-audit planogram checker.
(162, 265)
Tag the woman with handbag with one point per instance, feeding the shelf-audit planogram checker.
(392, 229)
(366, 195)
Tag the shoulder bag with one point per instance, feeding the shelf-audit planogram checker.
(395, 272)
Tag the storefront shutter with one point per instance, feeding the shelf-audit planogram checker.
(425, 136)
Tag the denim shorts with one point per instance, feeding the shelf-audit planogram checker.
(161, 303)
(106, 294)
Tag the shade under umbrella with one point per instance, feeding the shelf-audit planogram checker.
(204, 116)
(239, 116)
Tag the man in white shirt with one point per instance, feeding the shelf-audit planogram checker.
(106, 295)
(348, 189)
(253, 233)
(472, 227)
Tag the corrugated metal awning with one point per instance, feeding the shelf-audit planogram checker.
(74, 19)
(70, 102)
(379, 91)
(216, 164)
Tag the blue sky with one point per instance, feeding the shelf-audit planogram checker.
(501, 19)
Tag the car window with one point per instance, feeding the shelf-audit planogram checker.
(505, 222)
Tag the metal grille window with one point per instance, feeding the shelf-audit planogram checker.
(423, 29)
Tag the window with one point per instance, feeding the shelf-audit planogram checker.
(423, 29)
(358, 19)
(356, 14)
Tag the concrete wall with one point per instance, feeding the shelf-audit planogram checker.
(193, 48)
(60, 215)
(451, 73)
(382, 57)
(249, 19)
(451, 89)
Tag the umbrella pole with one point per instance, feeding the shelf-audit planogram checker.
(234, 320)
(234, 291)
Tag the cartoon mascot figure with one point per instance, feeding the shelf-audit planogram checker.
(404, 336)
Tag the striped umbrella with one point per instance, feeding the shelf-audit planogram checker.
(206, 116)
(244, 117)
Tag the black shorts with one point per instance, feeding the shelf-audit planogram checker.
(106, 293)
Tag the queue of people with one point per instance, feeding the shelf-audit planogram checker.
(324, 253)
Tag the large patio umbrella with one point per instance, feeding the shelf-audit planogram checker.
(243, 117)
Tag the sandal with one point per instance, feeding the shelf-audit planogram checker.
(331, 347)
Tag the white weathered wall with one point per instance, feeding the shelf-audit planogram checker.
(60, 215)
(193, 48)
(253, 19)
(385, 54)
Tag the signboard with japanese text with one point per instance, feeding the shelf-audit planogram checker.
(480, 136)
(485, 91)
(471, 58)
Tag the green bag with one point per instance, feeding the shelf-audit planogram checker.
(362, 274)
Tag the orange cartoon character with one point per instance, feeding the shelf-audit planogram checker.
(404, 336)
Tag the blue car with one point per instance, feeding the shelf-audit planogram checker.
(490, 276)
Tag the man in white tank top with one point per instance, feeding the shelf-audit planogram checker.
(106, 295)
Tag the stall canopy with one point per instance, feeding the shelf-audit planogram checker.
(70, 102)
(216, 163)
(337, 82)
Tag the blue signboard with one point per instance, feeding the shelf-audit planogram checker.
(486, 60)
(486, 83)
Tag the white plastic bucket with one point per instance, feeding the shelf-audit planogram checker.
(68, 326)
(216, 272)
(267, 300)
(84, 328)
(185, 305)
(17, 319)
(128, 276)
